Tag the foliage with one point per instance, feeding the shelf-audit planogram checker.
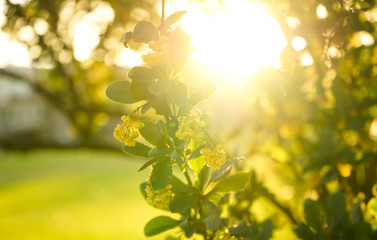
(69, 71)
(307, 139)
(313, 124)
(179, 141)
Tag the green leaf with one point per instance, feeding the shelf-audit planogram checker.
(210, 215)
(148, 132)
(179, 93)
(175, 17)
(139, 91)
(304, 232)
(196, 153)
(119, 91)
(336, 210)
(313, 214)
(145, 32)
(331, 175)
(197, 165)
(172, 127)
(266, 230)
(204, 93)
(182, 203)
(180, 188)
(148, 163)
(357, 213)
(142, 189)
(233, 183)
(145, 108)
(215, 198)
(159, 87)
(139, 150)
(203, 176)
(161, 134)
(224, 169)
(161, 174)
(239, 229)
(127, 37)
(160, 105)
(159, 152)
(141, 74)
(158, 225)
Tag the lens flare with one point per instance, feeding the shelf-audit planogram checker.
(236, 39)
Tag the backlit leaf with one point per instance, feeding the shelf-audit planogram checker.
(233, 183)
(139, 150)
(119, 91)
(145, 32)
(159, 224)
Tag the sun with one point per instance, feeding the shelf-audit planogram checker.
(235, 39)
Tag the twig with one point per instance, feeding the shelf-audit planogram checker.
(163, 12)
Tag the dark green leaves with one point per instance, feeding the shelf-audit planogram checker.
(336, 210)
(304, 232)
(210, 215)
(141, 74)
(241, 229)
(148, 163)
(139, 90)
(182, 203)
(357, 213)
(159, 87)
(233, 183)
(158, 225)
(313, 214)
(145, 32)
(139, 150)
(161, 174)
(119, 91)
(148, 132)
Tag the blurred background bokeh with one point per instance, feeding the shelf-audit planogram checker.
(296, 95)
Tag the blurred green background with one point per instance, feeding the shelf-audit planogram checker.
(71, 194)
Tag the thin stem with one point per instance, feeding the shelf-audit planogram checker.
(188, 178)
(284, 209)
(162, 12)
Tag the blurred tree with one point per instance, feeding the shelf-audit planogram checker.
(76, 50)
(314, 121)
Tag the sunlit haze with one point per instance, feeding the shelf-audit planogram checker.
(235, 39)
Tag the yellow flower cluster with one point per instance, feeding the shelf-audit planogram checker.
(223, 235)
(161, 52)
(191, 127)
(214, 157)
(128, 130)
(159, 198)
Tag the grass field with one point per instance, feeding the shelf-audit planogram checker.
(72, 194)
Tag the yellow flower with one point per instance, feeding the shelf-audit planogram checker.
(191, 127)
(214, 157)
(128, 130)
(159, 198)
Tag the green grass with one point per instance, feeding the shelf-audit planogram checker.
(72, 194)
